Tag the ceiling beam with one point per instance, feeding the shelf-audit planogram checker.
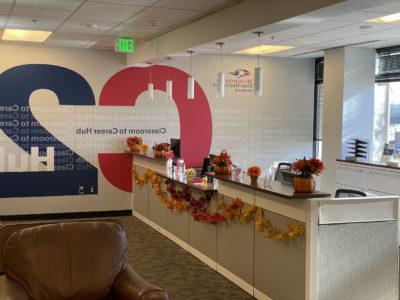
(239, 18)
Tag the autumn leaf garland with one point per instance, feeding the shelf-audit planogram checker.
(199, 208)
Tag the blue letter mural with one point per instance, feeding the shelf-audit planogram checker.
(72, 174)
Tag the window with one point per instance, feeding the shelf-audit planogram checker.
(387, 100)
(318, 106)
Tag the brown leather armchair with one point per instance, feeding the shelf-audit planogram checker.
(75, 260)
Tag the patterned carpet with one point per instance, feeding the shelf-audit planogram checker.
(164, 263)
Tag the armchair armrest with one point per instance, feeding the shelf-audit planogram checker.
(130, 286)
(11, 290)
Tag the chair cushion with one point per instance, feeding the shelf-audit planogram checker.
(67, 260)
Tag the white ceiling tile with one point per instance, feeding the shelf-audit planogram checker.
(165, 13)
(130, 33)
(39, 13)
(73, 36)
(5, 6)
(290, 52)
(141, 19)
(74, 26)
(69, 5)
(139, 28)
(27, 23)
(105, 12)
(389, 8)
(316, 27)
(201, 5)
(304, 41)
(373, 27)
(129, 2)
(105, 41)
(70, 39)
(392, 31)
(359, 16)
(103, 44)
(344, 42)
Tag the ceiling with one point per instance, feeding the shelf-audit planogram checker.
(96, 23)
(310, 35)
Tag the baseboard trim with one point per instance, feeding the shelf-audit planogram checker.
(235, 279)
(178, 241)
(204, 258)
(261, 296)
(67, 215)
(150, 223)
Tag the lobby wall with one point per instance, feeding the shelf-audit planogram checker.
(259, 130)
(93, 173)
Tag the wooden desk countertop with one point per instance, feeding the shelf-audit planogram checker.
(284, 191)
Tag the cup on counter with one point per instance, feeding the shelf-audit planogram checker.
(236, 171)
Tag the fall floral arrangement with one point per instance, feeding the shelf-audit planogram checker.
(144, 148)
(222, 163)
(254, 171)
(162, 150)
(134, 143)
(304, 182)
(307, 167)
(134, 140)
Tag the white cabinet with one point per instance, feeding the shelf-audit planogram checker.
(368, 178)
(350, 176)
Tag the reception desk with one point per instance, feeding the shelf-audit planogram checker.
(348, 250)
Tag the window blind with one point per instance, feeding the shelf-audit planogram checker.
(388, 64)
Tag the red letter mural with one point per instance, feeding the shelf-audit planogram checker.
(123, 89)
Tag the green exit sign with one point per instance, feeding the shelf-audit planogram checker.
(124, 45)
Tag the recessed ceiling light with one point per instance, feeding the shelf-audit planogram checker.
(366, 27)
(22, 35)
(90, 26)
(264, 49)
(153, 23)
(394, 18)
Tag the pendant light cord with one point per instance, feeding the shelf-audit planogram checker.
(169, 67)
(220, 56)
(259, 50)
(191, 63)
(150, 71)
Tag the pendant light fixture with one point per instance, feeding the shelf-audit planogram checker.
(190, 87)
(258, 72)
(150, 86)
(221, 75)
(168, 83)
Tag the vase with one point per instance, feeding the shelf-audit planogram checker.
(303, 184)
(134, 148)
(222, 170)
(159, 153)
(253, 180)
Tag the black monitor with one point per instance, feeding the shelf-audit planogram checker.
(175, 145)
(212, 156)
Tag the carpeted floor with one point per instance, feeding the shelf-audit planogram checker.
(164, 263)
